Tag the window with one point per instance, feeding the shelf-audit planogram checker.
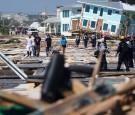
(87, 8)
(65, 13)
(95, 10)
(117, 12)
(109, 12)
(59, 27)
(93, 24)
(105, 27)
(113, 28)
(101, 11)
(79, 10)
(65, 27)
(85, 22)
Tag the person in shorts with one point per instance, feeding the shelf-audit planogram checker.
(63, 42)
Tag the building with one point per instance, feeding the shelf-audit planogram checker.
(95, 16)
(102, 17)
(68, 13)
(52, 25)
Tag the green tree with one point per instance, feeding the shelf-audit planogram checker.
(126, 23)
(4, 30)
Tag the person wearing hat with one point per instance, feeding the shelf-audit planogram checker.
(122, 51)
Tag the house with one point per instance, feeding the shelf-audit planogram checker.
(130, 9)
(66, 14)
(96, 16)
(102, 17)
(52, 25)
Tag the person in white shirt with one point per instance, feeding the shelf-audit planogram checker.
(29, 45)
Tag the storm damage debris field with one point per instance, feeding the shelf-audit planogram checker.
(78, 63)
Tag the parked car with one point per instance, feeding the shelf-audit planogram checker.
(32, 31)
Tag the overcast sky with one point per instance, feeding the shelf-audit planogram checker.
(32, 5)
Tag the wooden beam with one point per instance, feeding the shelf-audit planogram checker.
(19, 99)
(96, 70)
(78, 87)
(99, 107)
(73, 102)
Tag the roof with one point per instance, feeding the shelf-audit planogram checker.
(114, 5)
(128, 7)
(71, 6)
(52, 20)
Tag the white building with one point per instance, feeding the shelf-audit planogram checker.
(52, 25)
(66, 15)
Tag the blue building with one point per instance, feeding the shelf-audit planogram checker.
(96, 16)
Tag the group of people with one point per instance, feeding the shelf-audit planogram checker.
(33, 45)
(86, 38)
(125, 50)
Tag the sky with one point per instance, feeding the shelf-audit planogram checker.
(8, 6)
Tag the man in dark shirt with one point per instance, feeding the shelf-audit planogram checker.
(48, 41)
(85, 40)
(123, 52)
(37, 43)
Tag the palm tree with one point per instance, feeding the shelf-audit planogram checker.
(126, 24)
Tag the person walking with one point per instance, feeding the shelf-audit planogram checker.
(93, 40)
(48, 41)
(37, 43)
(130, 53)
(63, 42)
(77, 40)
(122, 51)
(85, 40)
(101, 47)
(133, 48)
(29, 45)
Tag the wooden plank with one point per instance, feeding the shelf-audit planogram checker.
(31, 103)
(78, 87)
(116, 73)
(97, 108)
(74, 101)
(96, 70)
(34, 81)
(71, 103)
